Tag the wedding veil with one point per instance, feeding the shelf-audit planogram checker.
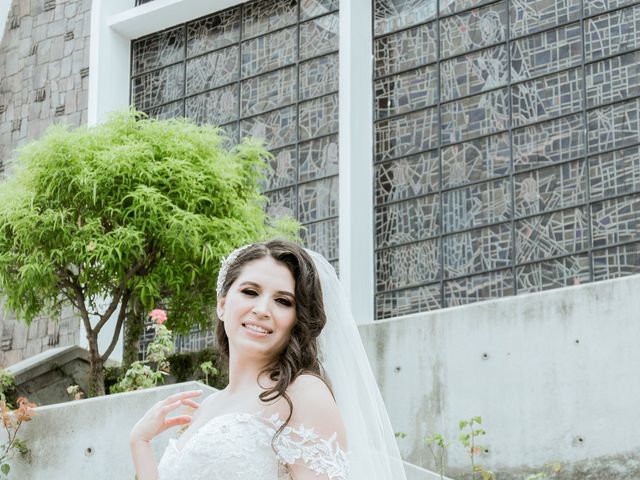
(373, 452)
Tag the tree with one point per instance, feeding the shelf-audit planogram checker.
(132, 211)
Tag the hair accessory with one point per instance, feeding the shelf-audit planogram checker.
(224, 267)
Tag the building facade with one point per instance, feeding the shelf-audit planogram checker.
(439, 153)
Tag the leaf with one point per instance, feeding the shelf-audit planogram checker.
(5, 468)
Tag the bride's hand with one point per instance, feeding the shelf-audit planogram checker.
(155, 421)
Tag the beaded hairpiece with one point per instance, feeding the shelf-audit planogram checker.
(224, 267)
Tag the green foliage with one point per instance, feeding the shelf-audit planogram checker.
(7, 384)
(143, 374)
(188, 366)
(134, 204)
(12, 421)
(138, 377)
(162, 344)
(112, 376)
(208, 369)
(468, 440)
(437, 446)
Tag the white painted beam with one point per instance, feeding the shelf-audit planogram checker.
(356, 157)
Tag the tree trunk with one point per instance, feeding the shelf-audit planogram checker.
(133, 330)
(96, 371)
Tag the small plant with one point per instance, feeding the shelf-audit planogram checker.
(437, 446)
(141, 375)
(471, 432)
(75, 392)
(469, 441)
(12, 421)
(7, 384)
(208, 369)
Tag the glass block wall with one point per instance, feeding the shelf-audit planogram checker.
(267, 69)
(506, 148)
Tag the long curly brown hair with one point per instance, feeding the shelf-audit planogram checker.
(301, 353)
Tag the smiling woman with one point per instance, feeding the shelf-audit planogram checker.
(261, 302)
(281, 417)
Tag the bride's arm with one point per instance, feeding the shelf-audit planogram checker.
(144, 460)
(317, 430)
(153, 423)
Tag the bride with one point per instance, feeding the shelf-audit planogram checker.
(302, 402)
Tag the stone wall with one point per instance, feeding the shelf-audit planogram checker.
(20, 341)
(44, 77)
(44, 69)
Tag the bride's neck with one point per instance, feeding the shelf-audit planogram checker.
(243, 375)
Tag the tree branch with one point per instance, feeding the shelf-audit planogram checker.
(69, 280)
(121, 316)
(117, 297)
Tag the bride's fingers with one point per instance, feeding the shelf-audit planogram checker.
(172, 406)
(190, 403)
(178, 420)
(182, 395)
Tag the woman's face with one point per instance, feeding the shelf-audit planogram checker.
(259, 309)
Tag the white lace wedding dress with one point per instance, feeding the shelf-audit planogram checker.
(238, 446)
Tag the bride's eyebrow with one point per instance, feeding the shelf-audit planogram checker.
(256, 285)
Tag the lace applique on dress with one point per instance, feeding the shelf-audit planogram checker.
(237, 446)
(320, 455)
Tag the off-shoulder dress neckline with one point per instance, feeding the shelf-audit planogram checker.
(273, 421)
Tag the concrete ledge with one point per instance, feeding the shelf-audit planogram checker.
(90, 438)
(415, 472)
(40, 364)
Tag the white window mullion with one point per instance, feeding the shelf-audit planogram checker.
(356, 157)
(114, 23)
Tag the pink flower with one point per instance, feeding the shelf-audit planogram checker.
(159, 316)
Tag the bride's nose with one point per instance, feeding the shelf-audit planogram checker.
(261, 307)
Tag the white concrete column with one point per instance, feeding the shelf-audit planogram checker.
(356, 157)
(109, 62)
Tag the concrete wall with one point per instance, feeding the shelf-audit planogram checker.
(90, 438)
(554, 376)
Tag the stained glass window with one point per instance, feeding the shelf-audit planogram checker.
(507, 148)
(267, 69)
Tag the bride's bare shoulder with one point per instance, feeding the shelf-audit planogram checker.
(314, 406)
(308, 384)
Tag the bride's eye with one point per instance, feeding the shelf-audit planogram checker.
(284, 301)
(249, 291)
